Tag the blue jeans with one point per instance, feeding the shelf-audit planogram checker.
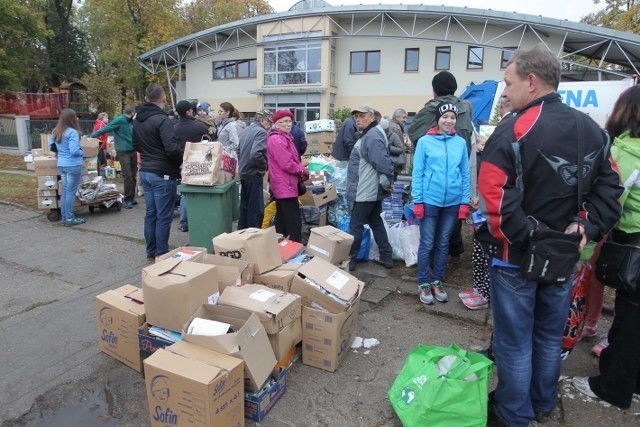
(251, 202)
(184, 221)
(70, 180)
(159, 196)
(528, 320)
(435, 231)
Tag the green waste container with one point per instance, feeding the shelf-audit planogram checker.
(209, 211)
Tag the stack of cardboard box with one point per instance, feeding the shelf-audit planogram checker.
(320, 136)
(268, 308)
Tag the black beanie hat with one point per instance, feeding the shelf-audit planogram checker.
(444, 83)
(445, 107)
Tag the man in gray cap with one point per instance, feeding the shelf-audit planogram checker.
(369, 181)
(252, 165)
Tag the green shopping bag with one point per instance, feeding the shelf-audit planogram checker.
(440, 386)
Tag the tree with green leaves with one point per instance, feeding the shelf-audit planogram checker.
(202, 14)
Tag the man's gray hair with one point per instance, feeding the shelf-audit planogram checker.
(399, 112)
(539, 61)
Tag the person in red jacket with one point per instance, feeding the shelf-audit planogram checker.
(101, 121)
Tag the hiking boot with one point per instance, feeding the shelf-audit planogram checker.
(74, 221)
(386, 263)
(438, 291)
(424, 291)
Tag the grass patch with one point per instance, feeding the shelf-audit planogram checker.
(19, 189)
(11, 162)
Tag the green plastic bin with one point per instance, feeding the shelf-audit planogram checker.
(209, 211)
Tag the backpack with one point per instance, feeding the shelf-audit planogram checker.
(426, 119)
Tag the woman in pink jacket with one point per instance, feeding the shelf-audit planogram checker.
(285, 172)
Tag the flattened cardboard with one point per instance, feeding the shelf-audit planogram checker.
(279, 278)
(327, 337)
(231, 272)
(287, 337)
(174, 289)
(185, 253)
(48, 182)
(324, 286)
(192, 386)
(329, 243)
(45, 165)
(119, 313)
(256, 245)
(248, 342)
(275, 309)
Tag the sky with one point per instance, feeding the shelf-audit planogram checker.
(571, 10)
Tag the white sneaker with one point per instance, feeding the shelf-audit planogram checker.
(582, 385)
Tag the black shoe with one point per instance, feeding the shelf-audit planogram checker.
(127, 205)
(352, 264)
(386, 263)
(151, 257)
(183, 228)
(488, 353)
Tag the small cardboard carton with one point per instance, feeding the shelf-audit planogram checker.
(89, 146)
(48, 182)
(119, 313)
(323, 125)
(329, 243)
(311, 198)
(148, 343)
(279, 278)
(326, 287)
(47, 202)
(285, 338)
(185, 253)
(327, 337)
(275, 309)
(259, 246)
(45, 165)
(258, 404)
(191, 386)
(174, 289)
(314, 147)
(247, 341)
(231, 272)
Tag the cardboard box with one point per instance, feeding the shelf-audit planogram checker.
(279, 278)
(90, 164)
(327, 337)
(37, 152)
(324, 286)
(321, 138)
(275, 309)
(258, 404)
(259, 246)
(314, 126)
(248, 341)
(47, 193)
(312, 199)
(45, 138)
(192, 386)
(46, 165)
(329, 243)
(47, 202)
(185, 253)
(148, 343)
(174, 289)
(231, 272)
(314, 148)
(89, 146)
(285, 338)
(119, 313)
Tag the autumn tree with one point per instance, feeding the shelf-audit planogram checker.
(202, 14)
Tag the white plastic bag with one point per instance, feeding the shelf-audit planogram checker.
(410, 241)
(393, 233)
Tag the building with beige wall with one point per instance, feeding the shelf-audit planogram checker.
(316, 58)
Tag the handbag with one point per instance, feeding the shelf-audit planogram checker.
(440, 386)
(617, 265)
(302, 189)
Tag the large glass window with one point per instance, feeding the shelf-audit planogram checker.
(236, 69)
(292, 63)
(443, 58)
(475, 58)
(365, 62)
(411, 59)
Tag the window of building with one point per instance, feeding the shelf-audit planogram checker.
(443, 58)
(365, 62)
(506, 57)
(332, 66)
(235, 69)
(411, 59)
(292, 63)
(475, 57)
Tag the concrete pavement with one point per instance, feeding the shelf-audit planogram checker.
(51, 372)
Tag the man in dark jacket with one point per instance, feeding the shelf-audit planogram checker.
(126, 155)
(529, 181)
(187, 128)
(252, 165)
(155, 140)
(299, 140)
(346, 139)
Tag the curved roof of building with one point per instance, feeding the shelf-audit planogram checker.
(596, 43)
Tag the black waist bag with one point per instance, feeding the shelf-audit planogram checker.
(551, 257)
(618, 265)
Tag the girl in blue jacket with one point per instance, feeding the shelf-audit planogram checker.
(441, 195)
(66, 140)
